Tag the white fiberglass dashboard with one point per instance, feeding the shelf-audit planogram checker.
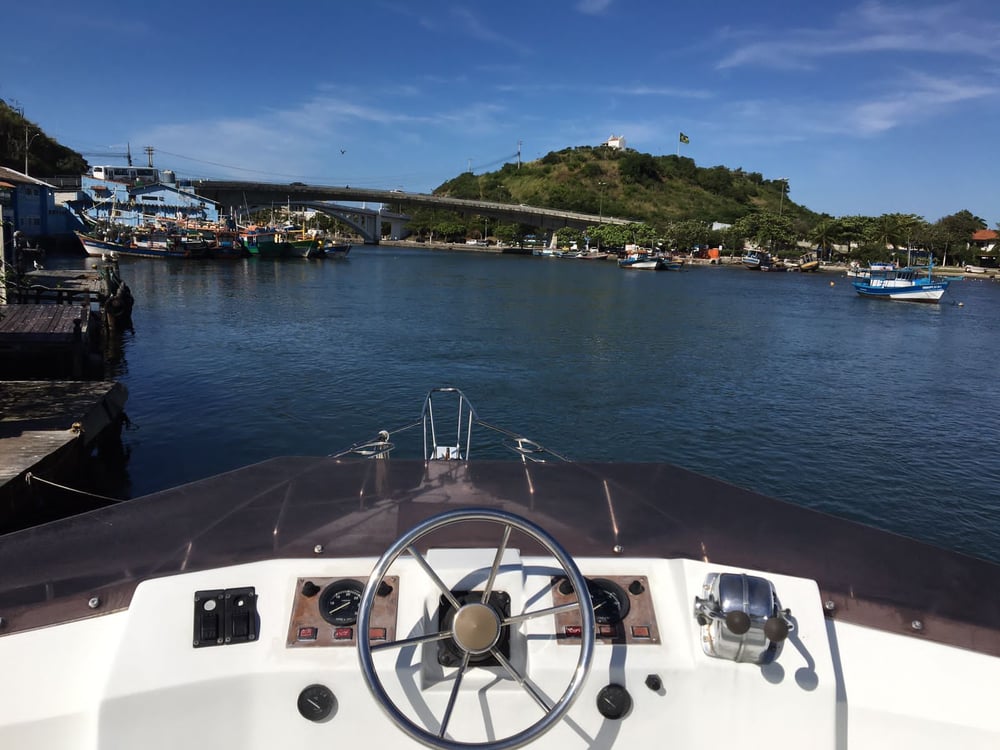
(137, 678)
(262, 609)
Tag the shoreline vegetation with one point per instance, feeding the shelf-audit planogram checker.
(726, 261)
(671, 201)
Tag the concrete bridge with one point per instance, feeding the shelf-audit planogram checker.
(368, 222)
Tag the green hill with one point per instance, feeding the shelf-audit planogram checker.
(46, 157)
(656, 190)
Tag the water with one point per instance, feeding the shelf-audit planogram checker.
(787, 384)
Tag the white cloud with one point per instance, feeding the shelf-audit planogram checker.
(872, 27)
(593, 7)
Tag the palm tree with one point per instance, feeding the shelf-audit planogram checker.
(825, 235)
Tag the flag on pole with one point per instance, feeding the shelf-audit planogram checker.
(685, 139)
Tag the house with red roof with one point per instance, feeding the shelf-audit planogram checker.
(987, 241)
(985, 238)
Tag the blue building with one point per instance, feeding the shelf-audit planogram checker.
(140, 203)
(27, 205)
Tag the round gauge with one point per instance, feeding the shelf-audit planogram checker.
(614, 701)
(610, 602)
(338, 604)
(317, 702)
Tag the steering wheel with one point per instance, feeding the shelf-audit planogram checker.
(476, 629)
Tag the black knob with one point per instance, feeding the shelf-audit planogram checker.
(654, 683)
(738, 622)
(309, 589)
(635, 588)
(565, 587)
(384, 589)
(776, 629)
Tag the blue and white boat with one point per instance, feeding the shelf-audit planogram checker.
(902, 284)
(641, 260)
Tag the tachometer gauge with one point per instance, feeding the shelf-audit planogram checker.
(610, 601)
(338, 604)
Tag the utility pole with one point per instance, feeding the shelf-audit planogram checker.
(149, 155)
(518, 154)
(27, 145)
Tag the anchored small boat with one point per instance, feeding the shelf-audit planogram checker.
(454, 599)
(638, 260)
(902, 284)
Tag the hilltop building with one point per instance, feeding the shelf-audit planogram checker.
(616, 142)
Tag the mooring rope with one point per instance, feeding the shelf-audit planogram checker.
(29, 477)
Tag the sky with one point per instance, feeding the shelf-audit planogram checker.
(866, 107)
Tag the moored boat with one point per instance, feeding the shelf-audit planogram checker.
(228, 245)
(808, 262)
(263, 242)
(336, 250)
(639, 260)
(903, 284)
(754, 259)
(300, 244)
(141, 244)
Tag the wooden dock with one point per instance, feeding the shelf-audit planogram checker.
(47, 340)
(48, 426)
(60, 287)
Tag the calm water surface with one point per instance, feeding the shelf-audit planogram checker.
(787, 384)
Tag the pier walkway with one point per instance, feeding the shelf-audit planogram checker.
(48, 425)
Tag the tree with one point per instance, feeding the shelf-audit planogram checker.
(683, 235)
(825, 234)
(956, 232)
(640, 169)
(766, 229)
(891, 231)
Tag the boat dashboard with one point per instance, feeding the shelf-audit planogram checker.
(306, 602)
(266, 654)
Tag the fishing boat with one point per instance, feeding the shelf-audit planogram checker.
(903, 284)
(228, 245)
(808, 262)
(300, 244)
(755, 259)
(336, 250)
(638, 260)
(263, 242)
(142, 244)
(416, 589)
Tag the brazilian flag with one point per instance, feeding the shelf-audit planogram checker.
(685, 139)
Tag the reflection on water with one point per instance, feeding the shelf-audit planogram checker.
(783, 383)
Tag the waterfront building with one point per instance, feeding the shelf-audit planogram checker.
(139, 203)
(27, 205)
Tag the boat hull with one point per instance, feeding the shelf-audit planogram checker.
(652, 264)
(917, 293)
(336, 252)
(95, 247)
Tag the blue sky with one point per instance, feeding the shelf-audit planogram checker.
(866, 107)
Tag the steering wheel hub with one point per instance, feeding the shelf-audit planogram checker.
(476, 628)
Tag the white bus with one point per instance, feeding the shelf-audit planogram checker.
(130, 175)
